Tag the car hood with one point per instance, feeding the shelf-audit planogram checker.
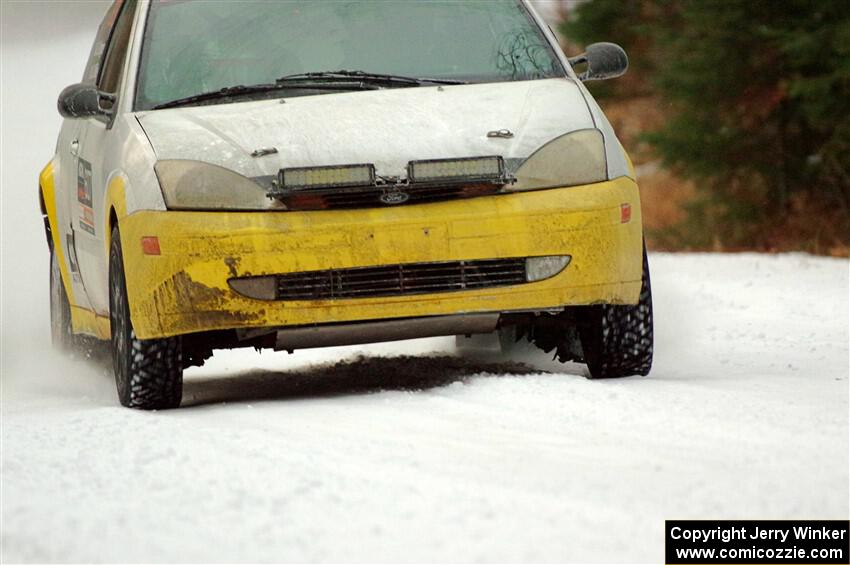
(385, 127)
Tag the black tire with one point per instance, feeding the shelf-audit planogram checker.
(148, 372)
(617, 341)
(61, 333)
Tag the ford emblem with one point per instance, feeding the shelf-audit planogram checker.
(394, 197)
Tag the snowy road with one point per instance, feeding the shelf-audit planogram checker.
(325, 456)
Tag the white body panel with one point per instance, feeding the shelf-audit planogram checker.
(384, 127)
(120, 151)
(68, 210)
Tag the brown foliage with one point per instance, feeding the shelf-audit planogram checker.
(665, 196)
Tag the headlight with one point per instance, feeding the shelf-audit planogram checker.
(574, 158)
(195, 185)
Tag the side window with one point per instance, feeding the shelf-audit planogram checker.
(100, 41)
(110, 72)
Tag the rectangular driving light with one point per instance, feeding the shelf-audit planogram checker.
(467, 169)
(333, 176)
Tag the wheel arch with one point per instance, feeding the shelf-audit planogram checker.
(47, 206)
(47, 202)
(113, 221)
(48, 232)
(115, 206)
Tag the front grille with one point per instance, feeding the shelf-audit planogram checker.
(396, 280)
(371, 196)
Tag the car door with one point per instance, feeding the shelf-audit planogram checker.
(68, 213)
(75, 213)
(95, 165)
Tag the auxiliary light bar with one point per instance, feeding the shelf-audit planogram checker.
(333, 176)
(466, 169)
(490, 169)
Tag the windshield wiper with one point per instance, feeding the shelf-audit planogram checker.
(241, 90)
(326, 80)
(368, 78)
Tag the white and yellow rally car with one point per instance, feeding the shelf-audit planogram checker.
(300, 174)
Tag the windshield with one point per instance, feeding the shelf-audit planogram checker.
(192, 47)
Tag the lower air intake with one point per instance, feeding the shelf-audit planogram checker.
(398, 280)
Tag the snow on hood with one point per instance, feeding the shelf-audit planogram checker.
(385, 127)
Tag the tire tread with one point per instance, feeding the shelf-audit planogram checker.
(150, 375)
(617, 340)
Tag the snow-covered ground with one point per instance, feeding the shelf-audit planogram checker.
(408, 451)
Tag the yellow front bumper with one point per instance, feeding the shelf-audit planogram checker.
(185, 289)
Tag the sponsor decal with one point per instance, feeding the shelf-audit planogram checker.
(84, 195)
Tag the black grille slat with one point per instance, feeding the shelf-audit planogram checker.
(368, 292)
(398, 280)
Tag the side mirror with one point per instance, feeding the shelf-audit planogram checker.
(83, 100)
(604, 60)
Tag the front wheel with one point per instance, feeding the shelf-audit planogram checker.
(148, 372)
(617, 341)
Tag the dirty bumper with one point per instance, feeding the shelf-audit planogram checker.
(185, 288)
